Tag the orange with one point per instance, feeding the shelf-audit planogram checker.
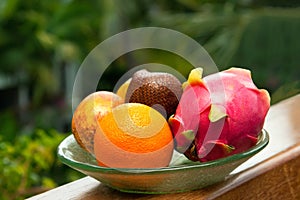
(133, 135)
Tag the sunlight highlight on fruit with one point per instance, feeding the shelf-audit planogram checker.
(133, 135)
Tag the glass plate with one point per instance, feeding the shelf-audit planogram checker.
(178, 177)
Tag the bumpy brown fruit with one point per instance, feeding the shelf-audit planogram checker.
(159, 90)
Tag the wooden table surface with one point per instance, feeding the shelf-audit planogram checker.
(274, 173)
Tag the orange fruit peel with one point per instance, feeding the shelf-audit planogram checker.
(133, 135)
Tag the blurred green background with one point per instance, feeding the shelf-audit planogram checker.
(42, 44)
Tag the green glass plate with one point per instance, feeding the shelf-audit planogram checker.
(182, 174)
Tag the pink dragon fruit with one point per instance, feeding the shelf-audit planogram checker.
(219, 115)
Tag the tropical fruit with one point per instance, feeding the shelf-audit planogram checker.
(159, 90)
(122, 90)
(91, 108)
(219, 115)
(133, 135)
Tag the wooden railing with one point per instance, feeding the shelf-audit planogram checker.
(274, 173)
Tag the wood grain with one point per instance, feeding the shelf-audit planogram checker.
(274, 173)
(281, 182)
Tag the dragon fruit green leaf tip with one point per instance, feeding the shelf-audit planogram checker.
(219, 115)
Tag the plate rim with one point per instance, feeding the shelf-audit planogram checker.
(261, 144)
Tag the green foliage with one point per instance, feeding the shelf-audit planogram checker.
(286, 91)
(38, 38)
(258, 35)
(9, 126)
(261, 39)
(26, 164)
(268, 46)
